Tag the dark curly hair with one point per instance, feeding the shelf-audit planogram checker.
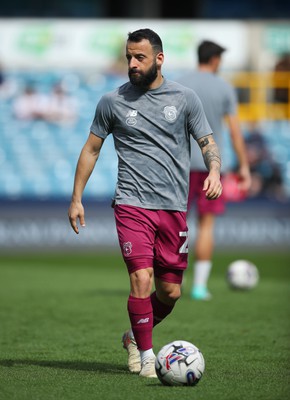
(149, 35)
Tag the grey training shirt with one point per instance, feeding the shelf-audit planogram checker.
(218, 99)
(151, 131)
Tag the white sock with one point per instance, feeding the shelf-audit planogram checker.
(145, 354)
(201, 272)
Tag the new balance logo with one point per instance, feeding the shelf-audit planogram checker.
(143, 321)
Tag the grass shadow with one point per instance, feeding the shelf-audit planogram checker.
(70, 365)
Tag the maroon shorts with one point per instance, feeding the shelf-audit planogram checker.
(155, 239)
(197, 195)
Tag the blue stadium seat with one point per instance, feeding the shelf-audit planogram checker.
(38, 159)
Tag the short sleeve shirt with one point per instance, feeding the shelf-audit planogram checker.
(219, 99)
(151, 131)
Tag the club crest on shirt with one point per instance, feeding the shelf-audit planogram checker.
(131, 117)
(170, 113)
(127, 248)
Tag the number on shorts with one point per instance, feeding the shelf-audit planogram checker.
(184, 247)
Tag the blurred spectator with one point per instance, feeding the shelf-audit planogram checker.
(61, 107)
(266, 173)
(281, 95)
(29, 105)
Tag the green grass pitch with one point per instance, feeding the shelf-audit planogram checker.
(62, 317)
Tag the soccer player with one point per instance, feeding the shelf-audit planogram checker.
(151, 120)
(219, 103)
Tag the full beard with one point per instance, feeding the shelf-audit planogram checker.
(143, 80)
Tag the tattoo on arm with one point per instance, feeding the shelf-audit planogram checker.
(210, 153)
(203, 142)
(212, 157)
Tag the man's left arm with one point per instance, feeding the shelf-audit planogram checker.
(211, 156)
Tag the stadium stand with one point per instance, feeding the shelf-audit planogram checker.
(38, 158)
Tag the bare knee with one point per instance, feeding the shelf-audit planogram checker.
(168, 293)
(141, 282)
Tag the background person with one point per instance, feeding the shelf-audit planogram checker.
(30, 105)
(267, 180)
(281, 94)
(62, 108)
(151, 119)
(219, 101)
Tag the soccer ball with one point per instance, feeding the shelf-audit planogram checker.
(242, 274)
(179, 363)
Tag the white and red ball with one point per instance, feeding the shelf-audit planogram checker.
(179, 363)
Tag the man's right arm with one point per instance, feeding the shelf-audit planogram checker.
(85, 166)
(239, 147)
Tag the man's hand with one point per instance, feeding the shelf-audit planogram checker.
(244, 179)
(212, 186)
(76, 212)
